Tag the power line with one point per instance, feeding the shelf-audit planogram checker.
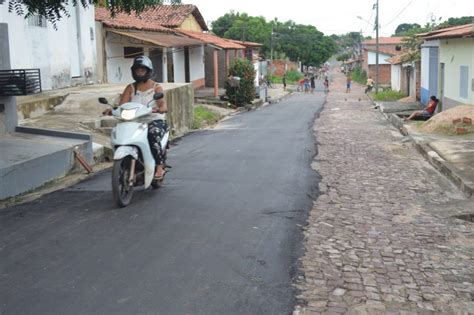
(399, 13)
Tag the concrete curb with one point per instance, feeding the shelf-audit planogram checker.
(434, 157)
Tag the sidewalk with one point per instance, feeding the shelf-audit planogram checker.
(451, 155)
(388, 233)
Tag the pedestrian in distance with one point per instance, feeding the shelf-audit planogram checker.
(348, 83)
(313, 84)
(369, 85)
(283, 80)
(301, 85)
(326, 85)
(306, 84)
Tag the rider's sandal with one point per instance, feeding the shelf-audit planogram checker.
(158, 178)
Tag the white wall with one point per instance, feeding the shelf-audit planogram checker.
(382, 58)
(396, 77)
(425, 67)
(118, 67)
(49, 49)
(178, 63)
(196, 63)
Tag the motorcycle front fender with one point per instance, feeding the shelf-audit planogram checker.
(124, 150)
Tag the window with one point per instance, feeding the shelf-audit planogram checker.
(37, 20)
(132, 52)
(463, 81)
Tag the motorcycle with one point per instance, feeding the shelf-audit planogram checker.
(134, 164)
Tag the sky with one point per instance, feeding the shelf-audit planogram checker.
(338, 16)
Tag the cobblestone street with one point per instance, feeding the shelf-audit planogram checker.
(381, 238)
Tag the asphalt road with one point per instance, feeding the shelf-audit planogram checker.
(221, 237)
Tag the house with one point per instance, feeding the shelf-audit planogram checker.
(405, 75)
(176, 58)
(65, 53)
(447, 62)
(219, 53)
(388, 47)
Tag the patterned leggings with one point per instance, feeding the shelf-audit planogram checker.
(156, 131)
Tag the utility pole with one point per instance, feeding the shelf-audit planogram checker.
(377, 48)
(271, 46)
(271, 52)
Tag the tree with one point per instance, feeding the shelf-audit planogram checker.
(54, 10)
(405, 27)
(457, 21)
(245, 92)
(224, 23)
(297, 41)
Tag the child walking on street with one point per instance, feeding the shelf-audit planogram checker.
(326, 85)
(348, 84)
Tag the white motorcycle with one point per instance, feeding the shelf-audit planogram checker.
(134, 164)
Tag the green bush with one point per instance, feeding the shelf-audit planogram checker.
(388, 95)
(293, 76)
(359, 75)
(245, 92)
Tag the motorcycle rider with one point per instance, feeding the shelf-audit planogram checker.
(142, 91)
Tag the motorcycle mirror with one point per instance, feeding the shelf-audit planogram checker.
(103, 100)
(158, 96)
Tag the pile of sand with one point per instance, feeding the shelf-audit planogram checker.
(456, 120)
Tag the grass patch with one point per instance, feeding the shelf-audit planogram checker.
(204, 117)
(292, 77)
(359, 75)
(388, 95)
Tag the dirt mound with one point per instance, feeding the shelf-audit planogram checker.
(456, 120)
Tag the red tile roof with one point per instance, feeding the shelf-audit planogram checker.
(245, 43)
(382, 51)
(160, 39)
(129, 21)
(212, 39)
(461, 31)
(154, 18)
(174, 15)
(384, 41)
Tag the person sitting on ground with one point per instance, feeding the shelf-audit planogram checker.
(427, 112)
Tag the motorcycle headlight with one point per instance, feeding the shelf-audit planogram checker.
(128, 114)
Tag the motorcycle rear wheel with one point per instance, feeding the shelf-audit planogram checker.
(121, 190)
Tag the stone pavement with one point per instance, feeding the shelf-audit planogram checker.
(382, 237)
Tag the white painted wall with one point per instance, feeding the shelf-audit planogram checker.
(396, 77)
(455, 53)
(425, 67)
(118, 67)
(196, 63)
(178, 63)
(382, 58)
(49, 49)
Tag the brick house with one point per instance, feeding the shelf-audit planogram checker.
(388, 47)
(405, 76)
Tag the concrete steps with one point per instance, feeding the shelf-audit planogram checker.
(32, 157)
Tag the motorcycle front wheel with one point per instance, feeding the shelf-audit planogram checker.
(121, 190)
